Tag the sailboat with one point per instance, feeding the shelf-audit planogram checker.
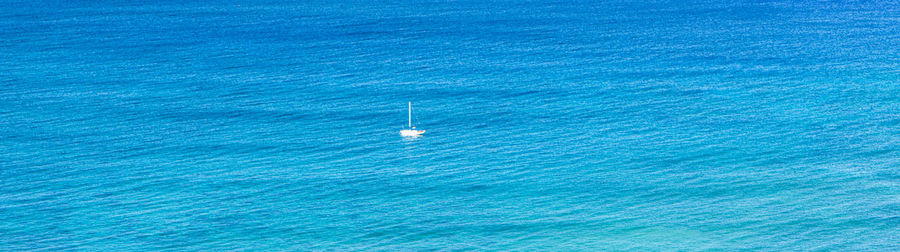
(411, 130)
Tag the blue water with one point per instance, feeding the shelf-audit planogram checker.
(552, 125)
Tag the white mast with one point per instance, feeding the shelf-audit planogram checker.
(409, 114)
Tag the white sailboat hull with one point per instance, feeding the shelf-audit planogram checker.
(412, 132)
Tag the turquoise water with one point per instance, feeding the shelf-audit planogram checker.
(552, 125)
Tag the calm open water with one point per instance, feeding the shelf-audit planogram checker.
(552, 125)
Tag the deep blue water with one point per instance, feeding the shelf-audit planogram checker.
(552, 125)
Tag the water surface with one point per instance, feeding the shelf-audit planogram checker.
(552, 125)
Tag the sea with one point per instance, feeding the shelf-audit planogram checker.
(551, 125)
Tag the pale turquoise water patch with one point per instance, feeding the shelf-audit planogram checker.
(551, 125)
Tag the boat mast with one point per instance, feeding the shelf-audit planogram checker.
(409, 114)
